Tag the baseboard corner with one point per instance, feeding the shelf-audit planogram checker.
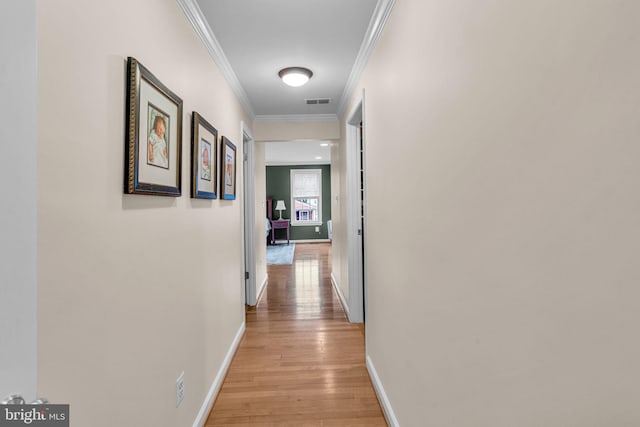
(202, 416)
(387, 410)
(262, 288)
(343, 301)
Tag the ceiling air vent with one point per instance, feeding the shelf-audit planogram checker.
(318, 101)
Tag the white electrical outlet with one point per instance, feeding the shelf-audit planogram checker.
(180, 389)
(317, 229)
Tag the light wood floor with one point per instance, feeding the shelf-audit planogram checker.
(300, 363)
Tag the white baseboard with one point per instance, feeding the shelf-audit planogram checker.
(217, 382)
(262, 288)
(382, 396)
(343, 301)
(277, 241)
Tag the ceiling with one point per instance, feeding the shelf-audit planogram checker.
(251, 40)
(257, 38)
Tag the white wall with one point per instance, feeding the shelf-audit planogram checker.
(339, 246)
(510, 132)
(18, 210)
(133, 289)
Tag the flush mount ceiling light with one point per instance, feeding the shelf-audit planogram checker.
(295, 76)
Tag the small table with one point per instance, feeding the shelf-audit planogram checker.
(277, 224)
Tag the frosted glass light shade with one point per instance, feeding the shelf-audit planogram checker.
(295, 76)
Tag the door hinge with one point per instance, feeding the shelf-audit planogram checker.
(246, 275)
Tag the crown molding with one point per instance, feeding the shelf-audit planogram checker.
(376, 25)
(374, 31)
(297, 118)
(194, 14)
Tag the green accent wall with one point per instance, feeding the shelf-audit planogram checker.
(279, 188)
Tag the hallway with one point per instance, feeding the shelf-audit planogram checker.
(300, 362)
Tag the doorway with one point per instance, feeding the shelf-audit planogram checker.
(249, 217)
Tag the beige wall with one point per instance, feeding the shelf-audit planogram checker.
(133, 289)
(295, 130)
(505, 135)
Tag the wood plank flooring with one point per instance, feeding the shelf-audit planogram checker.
(300, 363)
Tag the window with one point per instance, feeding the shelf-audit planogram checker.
(306, 196)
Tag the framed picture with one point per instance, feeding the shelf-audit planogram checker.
(227, 170)
(204, 156)
(153, 144)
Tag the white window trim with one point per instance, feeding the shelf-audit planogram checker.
(294, 222)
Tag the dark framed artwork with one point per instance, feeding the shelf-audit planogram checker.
(153, 143)
(227, 170)
(204, 155)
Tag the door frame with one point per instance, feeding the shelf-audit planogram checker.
(355, 248)
(249, 207)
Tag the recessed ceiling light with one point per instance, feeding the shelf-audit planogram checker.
(324, 144)
(318, 157)
(295, 76)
